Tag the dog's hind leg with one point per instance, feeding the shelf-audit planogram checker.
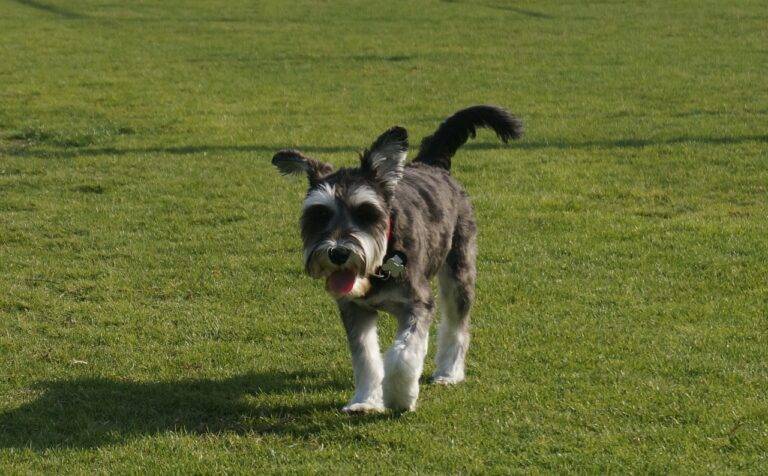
(457, 291)
(404, 361)
(367, 365)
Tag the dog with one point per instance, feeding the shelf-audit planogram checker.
(378, 234)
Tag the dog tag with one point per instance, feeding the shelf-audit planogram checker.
(394, 266)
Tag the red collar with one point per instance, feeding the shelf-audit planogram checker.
(388, 252)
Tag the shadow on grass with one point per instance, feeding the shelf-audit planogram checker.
(271, 149)
(508, 8)
(173, 150)
(92, 412)
(628, 143)
(61, 12)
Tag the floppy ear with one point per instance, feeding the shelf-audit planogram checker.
(293, 162)
(385, 159)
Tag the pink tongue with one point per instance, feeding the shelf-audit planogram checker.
(341, 282)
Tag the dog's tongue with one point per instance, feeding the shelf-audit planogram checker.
(341, 282)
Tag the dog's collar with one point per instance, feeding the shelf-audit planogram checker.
(394, 261)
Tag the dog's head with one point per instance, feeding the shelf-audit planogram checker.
(346, 214)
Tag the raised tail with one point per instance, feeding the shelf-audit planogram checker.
(454, 132)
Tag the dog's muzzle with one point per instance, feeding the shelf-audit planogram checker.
(342, 264)
(329, 256)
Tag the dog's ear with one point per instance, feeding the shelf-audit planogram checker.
(293, 162)
(385, 159)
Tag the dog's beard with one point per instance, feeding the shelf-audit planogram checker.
(367, 255)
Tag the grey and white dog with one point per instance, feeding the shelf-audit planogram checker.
(378, 234)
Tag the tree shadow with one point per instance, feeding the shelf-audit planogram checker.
(92, 412)
(172, 150)
(621, 143)
(630, 142)
(61, 12)
(510, 8)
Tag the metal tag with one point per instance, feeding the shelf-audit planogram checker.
(394, 266)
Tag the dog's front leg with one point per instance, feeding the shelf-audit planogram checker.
(404, 362)
(368, 368)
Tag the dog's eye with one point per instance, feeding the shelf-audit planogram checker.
(366, 214)
(317, 217)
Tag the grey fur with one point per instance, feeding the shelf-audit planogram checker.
(432, 225)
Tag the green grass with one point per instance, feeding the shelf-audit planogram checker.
(153, 313)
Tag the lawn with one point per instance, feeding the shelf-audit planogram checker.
(153, 312)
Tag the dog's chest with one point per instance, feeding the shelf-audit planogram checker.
(389, 296)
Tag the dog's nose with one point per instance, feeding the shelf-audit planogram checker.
(338, 255)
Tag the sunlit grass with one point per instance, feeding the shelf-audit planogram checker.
(153, 313)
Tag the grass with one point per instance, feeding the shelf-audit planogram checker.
(153, 313)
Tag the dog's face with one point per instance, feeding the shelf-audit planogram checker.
(346, 214)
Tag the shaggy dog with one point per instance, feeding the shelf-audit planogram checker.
(378, 233)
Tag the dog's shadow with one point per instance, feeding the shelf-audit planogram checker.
(92, 412)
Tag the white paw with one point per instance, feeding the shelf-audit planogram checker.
(400, 404)
(401, 395)
(363, 408)
(446, 379)
(402, 369)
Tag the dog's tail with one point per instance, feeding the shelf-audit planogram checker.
(454, 132)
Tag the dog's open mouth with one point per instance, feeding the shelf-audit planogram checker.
(341, 282)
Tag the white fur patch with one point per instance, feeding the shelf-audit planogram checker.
(369, 371)
(452, 338)
(361, 286)
(364, 194)
(403, 365)
(373, 248)
(388, 163)
(452, 344)
(325, 194)
(317, 265)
